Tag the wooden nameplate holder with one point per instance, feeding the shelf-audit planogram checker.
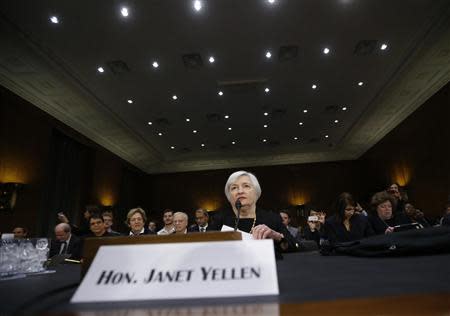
(91, 245)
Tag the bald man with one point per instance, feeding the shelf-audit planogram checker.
(65, 242)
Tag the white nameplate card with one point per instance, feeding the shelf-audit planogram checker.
(180, 271)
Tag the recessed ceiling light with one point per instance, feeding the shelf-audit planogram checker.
(233, 143)
(149, 123)
(266, 113)
(360, 83)
(268, 54)
(305, 111)
(229, 128)
(172, 147)
(211, 59)
(188, 119)
(124, 11)
(194, 131)
(203, 145)
(326, 50)
(295, 138)
(314, 86)
(174, 97)
(220, 93)
(54, 19)
(336, 121)
(130, 101)
(198, 5)
(227, 116)
(271, 1)
(155, 64)
(264, 140)
(100, 70)
(383, 46)
(160, 134)
(326, 136)
(344, 108)
(265, 125)
(301, 123)
(266, 90)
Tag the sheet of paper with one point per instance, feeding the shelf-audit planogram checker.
(245, 235)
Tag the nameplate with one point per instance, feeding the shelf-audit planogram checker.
(180, 271)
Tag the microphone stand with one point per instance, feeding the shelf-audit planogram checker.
(238, 206)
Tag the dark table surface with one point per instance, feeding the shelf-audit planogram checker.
(302, 277)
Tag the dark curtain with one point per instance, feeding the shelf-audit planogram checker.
(68, 181)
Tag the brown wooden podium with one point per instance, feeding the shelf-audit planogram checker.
(91, 245)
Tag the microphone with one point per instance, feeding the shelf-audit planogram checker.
(238, 206)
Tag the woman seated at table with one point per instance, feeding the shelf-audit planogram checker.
(382, 218)
(345, 224)
(243, 191)
(136, 219)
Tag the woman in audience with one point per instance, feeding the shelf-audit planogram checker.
(136, 219)
(382, 218)
(345, 224)
(399, 198)
(243, 191)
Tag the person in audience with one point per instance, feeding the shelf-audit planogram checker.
(414, 215)
(84, 228)
(108, 219)
(97, 226)
(168, 223)
(243, 188)
(314, 228)
(180, 221)
(136, 219)
(65, 242)
(360, 210)
(20, 233)
(152, 227)
(382, 218)
(399, 198)
(201, 222)
(345, 225)
(445, 219)
(286, 220)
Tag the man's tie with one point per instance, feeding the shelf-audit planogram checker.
(64, 247)
(202, 229)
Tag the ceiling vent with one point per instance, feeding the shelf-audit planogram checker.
(214, 117)
(118, 67)
(162, 121)
(287, 52)
(365, 47)
(192, 61)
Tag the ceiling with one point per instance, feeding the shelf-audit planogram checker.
(55, 67)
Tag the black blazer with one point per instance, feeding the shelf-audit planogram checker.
(196, 228)
(74, 248)
(270, 219)
(379, 226)
(335, 231)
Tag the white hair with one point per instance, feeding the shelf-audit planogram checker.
(182, 214)
(234, 176)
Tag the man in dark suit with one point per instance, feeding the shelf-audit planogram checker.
(201, 222)
(65, 242)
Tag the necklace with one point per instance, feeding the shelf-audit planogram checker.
(253, 226)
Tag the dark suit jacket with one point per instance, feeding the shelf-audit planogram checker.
(379, 226)
(74, 248)
(270, 219)
(335, 231)
(196, 229)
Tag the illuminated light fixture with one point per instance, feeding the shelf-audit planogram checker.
(211, 59)
(266, 113)
(194, 131)
(383, 46)
(268, 54)
(360, 83)
(188, 119)
(160, 134)
(172, 147)
(326, 50)
(266, 90)
(174, 97)
(198, 5)
(203, 145)
(265, 125)
(326, 136)
(100, 70)
(264, 140)
(271, 1)
(344, 108)
(301, 123)
(124, 11)
(149, 123)
(229, 128)
(336, 121)
(314, 86)
(155, 64)
(130, 101)
(305, 111)
(220, 93)
(54, 19)
(233, 143)
(227, 116)
(295, 138)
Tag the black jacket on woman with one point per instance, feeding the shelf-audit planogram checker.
(270, 219)
(335, 231)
